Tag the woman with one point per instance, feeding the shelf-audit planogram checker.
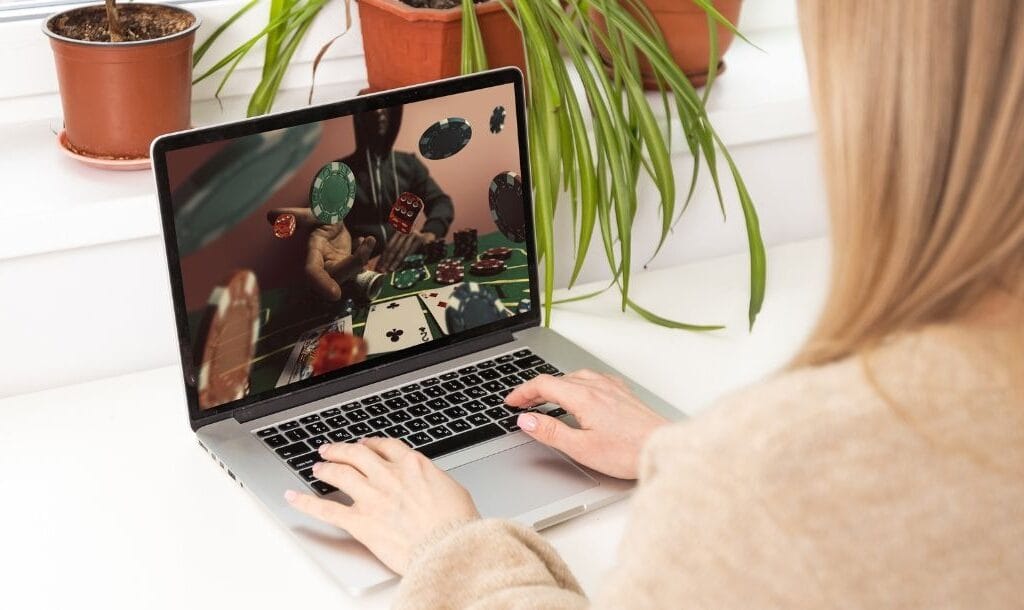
(885, 466)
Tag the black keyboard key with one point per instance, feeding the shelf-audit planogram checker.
(371, 400)
(275, 441)
(511, 381)
(434, 391)
(476, 392)
(266, 432)
(348, 406)
(391, 394)
(459, 425)
(358, 415)
(492, 400)
(556, 412)
(478, 419)
(290, 451)
(456, 398)
(332, 412)
(307, 474)
(309, 419)
(435, 418)
(418, 410)
(528, 374)
(317, 428)
(297, 435)
(466, 370)
(439, 432)
(323, 488)
(509, 423)
(455, 412)
(337, 421)
(419, 438)
(396, 403)
(288, 425)
(461, 441)
(437, 403)
(396, 431)
(529, 362)
(339, 436)
(416, 425)
(409, 388)
(473, 406)
(507, 369)
(426, 383)
(546, 369)
(376, 410)
(416, 397)
(486, 364)
(521, 353)
(379, 423)
(452, 385)
(493, 386)
(399, 416)
(360, 429)
(470, 380)
(316, 441)
(448, 376)
(489, 374)
(304, 461)
(503, 359)
(496, 413)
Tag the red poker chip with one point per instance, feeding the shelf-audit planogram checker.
(500, 253)
(487, 266)
(337, 350)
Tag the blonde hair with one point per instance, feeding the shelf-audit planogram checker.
(920, 107)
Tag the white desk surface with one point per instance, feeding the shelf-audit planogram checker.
(108, 502)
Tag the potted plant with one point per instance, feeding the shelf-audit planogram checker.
(124, 74)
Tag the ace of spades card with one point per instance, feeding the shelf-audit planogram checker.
(395, 325)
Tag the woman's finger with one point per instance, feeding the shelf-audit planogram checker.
(391, 449)
(551, 432)
(364, 459)
(600, 379)
(327, 511)
(344, 477)
(565, 393)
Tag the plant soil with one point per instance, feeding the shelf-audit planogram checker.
(442, 4)
(138, 22)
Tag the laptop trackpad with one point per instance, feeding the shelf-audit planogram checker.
(521, 479)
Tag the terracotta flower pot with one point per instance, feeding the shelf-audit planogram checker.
(685, 26)
(118, 96)
(405, 45)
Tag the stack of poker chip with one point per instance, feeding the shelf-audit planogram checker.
(413, 261)
(487, 266)
(407, 278)
(500, 253)
(435, 251)
(449, 271)
(229, 329)
(472, 305)
(465, 244)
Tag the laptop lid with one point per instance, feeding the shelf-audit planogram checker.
(322, 249)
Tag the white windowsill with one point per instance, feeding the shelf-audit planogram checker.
(54, 203)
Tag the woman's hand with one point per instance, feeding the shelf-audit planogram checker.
(614, 425)
(398, 497)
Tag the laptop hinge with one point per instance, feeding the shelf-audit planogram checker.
(365, 378)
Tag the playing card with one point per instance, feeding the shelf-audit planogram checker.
(436, 301)
(300, 361)
(395, 325)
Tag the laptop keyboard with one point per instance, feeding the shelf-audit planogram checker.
(435, 415)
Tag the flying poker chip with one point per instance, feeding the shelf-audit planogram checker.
(472, 305)
(284, 226)
(228, 333)
(524, 306)
(407, 278)
(333, 192)
(498, 119)
(336, 350)
(487, 266)
(445, 138)
(500, 253)
(505, 197)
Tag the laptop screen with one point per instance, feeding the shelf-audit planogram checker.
(331, 245)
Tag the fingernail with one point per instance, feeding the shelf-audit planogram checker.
(527, 422)
(322, 449)
(290, 495)
(316, 466)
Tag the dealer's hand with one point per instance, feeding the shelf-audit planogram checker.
(330, 259)
(398, 497)
(400, 246)
(614, 424)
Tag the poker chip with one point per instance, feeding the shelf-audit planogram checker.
(445, 138)
(472, 305)
(228, 331)
(465, 244)
(407, 278)
(434, 251)
(413, 260)
(524, 306)
(336, 350)
(333, 192)
(449, 271)
(284, 226)
(500, 253)
(505, 197)
(497, 119)
(487, 266)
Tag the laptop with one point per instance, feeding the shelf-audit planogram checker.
(368, 268)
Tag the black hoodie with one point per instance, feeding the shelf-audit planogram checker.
(377, 167)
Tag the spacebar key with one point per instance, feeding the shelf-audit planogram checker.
(461, 441)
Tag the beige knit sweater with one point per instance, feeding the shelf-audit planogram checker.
(811, 490)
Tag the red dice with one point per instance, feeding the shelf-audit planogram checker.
(337, 350)
(404, 212)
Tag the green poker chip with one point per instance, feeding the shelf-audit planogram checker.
(407, 278)
(413, 260)
(333, 192)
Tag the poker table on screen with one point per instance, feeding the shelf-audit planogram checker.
(287, 316)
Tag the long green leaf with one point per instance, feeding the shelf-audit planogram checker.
(205, 46)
